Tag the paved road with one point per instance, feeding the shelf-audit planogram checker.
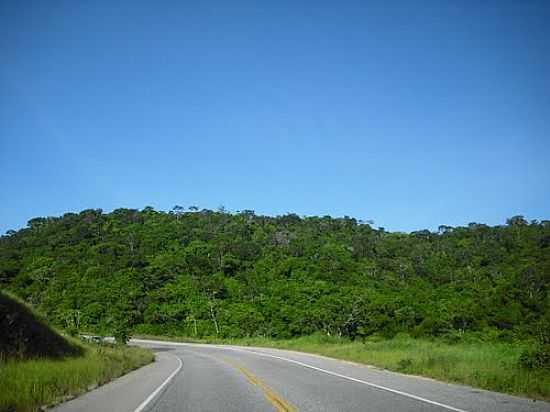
(231, 378)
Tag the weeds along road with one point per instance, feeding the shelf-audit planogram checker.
(195, 378)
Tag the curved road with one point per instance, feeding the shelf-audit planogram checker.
(195, 378)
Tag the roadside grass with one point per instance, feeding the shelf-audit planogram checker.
(488, 365)
(30, 384)
(40, 367)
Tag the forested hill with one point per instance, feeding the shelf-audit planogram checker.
(208, 273)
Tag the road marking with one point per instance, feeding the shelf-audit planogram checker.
(374, 385)
(280, 404)
(143, 404)
(305, 365)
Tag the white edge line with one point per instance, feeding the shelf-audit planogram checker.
(143, 404)
(374, 385)
(305, 365)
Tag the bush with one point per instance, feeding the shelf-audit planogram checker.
(404, 364)
(453, 336)
(431, 327)
(72, 331)
(538, 358)
(121, 333)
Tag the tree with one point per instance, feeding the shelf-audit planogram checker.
(216, 273)
(178, 211)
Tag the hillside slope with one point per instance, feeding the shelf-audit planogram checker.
(26, 335)
(213, 273)
(39, 367)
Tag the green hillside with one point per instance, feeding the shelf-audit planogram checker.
(39, 367)
(26, 335)
(213, 273)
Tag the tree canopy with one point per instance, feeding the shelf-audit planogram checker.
(214, 273)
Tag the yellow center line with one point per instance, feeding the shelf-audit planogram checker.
(277, 401)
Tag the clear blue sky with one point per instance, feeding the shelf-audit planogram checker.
(412, 114)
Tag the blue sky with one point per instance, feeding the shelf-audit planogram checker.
(413, 114)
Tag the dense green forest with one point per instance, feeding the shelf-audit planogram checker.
(214, 273)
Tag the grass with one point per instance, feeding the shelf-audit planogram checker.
(488, 365)
(40, 367)
(28, 385)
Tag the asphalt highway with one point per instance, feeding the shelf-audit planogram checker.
(196, 378)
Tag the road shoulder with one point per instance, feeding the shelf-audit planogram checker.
(127, 393)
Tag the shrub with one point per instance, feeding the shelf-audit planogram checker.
(121, 333)
(538, 358)
(404, 364)
(72, 331)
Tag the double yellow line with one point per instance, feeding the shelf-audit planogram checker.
(273, 398)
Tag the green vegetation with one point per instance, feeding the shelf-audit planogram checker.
(25, 334)
(490, 365)
(29, 384)
(40, 367)
(205, 273)
(213, 274)
(484, 364)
